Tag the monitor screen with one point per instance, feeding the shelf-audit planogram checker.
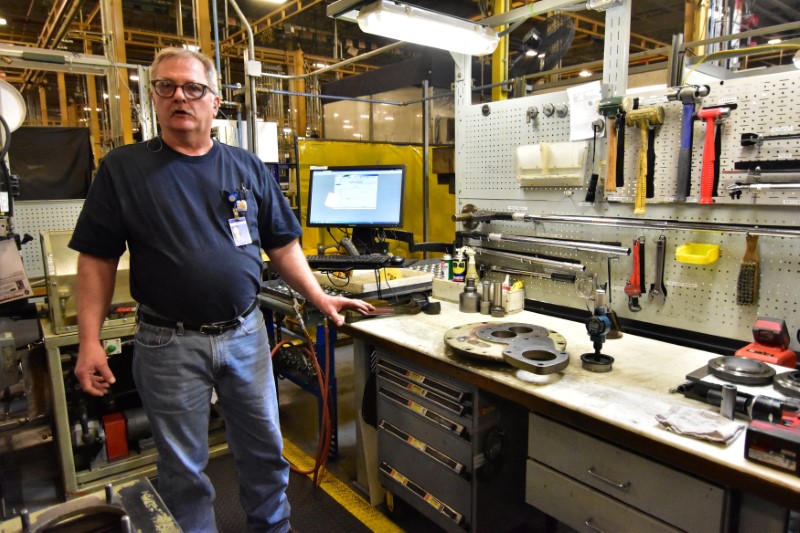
(368, 196)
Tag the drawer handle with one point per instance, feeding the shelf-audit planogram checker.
(620, 486)
(592, 527)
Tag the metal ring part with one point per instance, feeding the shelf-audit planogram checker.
(788, 383)
(526, 346)
(741, 370)
(596, 362)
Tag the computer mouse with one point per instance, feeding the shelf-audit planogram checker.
(397, 261)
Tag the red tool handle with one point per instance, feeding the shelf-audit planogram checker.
(634, 285)
(709, 156)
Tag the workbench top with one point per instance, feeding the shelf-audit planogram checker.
(620, 405)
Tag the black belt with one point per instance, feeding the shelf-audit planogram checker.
(214, 328)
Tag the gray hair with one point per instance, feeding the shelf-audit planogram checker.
(167, 53)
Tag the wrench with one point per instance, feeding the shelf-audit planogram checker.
(633, 287)
(658, 293)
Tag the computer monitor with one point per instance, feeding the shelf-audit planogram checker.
(356, 197)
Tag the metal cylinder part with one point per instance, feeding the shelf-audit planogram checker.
(497, 299)
(728, 406)
(469, 299)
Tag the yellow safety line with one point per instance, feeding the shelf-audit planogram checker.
(344, 496)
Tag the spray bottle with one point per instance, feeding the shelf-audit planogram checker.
(472, 272)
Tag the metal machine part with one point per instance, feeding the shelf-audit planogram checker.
(598, 326)
(728, 405)
(741, 370)
(525, 346)
(497, 310)
(60, 271)
(124, 507)
(788, 383)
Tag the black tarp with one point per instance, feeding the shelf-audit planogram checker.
(53, 163)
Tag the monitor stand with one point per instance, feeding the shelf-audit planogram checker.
(364, 240)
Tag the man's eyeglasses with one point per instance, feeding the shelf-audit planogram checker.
(191, 90)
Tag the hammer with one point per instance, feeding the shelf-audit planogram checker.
(688, 95)
(609, 108)
(644, 118)
(710, 115)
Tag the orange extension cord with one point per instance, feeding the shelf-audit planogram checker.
(326, 428)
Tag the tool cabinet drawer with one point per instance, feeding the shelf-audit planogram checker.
(427, 425)
(435, 506)
(424, 378)
(430, 468)
(419, 391)
(581, 507)
(663, 492)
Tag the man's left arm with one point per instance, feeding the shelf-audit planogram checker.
(290, 262)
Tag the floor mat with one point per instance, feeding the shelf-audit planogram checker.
(331, 507)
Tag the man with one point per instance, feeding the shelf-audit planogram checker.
(194, 214)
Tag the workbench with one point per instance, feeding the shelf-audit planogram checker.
(618, 407)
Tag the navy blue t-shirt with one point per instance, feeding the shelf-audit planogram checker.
(172, 211)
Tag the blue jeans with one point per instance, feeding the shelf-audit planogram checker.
(175, 371)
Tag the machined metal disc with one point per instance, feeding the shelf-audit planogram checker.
(741, 370)
(788, 383)
(521, 345)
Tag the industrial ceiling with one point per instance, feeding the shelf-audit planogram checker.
(303, 25)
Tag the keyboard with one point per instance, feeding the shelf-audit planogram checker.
(348, 262)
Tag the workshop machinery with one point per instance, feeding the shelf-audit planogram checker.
(98, 439)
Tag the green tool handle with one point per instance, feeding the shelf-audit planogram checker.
(620, 167)
(683, 185)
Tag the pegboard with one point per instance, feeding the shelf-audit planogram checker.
(700, 298)
(34, 217)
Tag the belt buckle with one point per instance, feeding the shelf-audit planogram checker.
(212, 329)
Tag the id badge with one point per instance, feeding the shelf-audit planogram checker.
(239, 231)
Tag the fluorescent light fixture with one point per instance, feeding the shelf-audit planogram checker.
(774, 41)
(584, 73)
(415, 25)
(3, 21)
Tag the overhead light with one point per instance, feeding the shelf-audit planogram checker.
(774, 41)
(3, 21)
(415, 25)
(584, 73)
(275, 1)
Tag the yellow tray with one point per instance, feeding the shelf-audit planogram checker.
(697, 253)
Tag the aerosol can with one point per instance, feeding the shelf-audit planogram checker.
(459, 266)
(445, 267)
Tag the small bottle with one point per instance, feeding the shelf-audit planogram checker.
(445, 267)
(472, 271)
(469, 301)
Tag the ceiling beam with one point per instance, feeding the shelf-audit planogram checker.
(284, 13)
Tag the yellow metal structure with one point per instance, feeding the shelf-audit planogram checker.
(312, 152)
